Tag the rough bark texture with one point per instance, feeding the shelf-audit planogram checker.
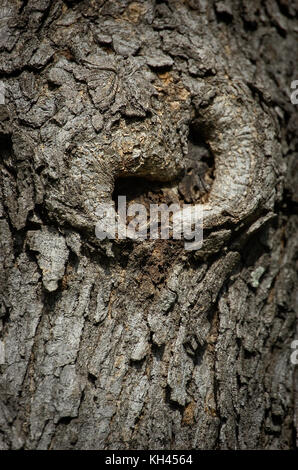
(122, 344)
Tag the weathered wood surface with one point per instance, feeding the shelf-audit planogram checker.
(121, 344)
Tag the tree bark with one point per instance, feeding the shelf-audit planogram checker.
(122, 344)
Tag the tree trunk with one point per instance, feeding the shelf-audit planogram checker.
(130, 344)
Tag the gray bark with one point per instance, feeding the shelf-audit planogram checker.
(121, 344)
